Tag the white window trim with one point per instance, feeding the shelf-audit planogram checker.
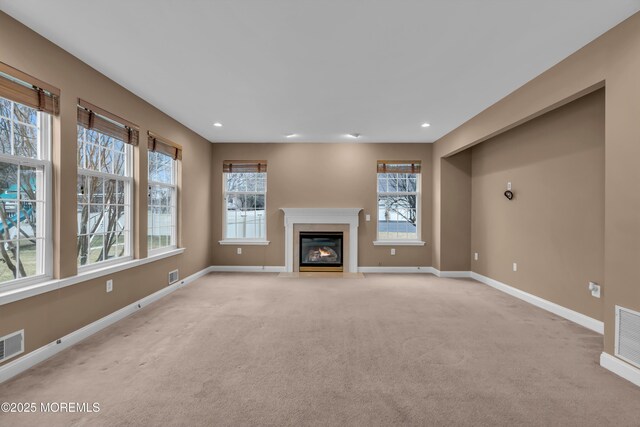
(247, 242)
(44, 151)
(128, 177)
(8, 296)
(242, 241)
(401, 242)
(174, 210)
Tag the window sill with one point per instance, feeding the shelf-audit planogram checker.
(13, 295)
(162, 251)
(398, 243)
(245, 242)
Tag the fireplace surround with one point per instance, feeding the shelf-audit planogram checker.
(321, 219)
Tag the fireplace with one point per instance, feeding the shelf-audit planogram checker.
(321, 251)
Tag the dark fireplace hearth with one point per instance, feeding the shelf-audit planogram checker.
(321, 251)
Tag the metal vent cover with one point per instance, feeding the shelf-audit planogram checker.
(11, 345)
(628, 335)
(174, 276)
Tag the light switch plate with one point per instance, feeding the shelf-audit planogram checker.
(475, 256)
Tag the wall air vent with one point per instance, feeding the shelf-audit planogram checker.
(628, 335)
(11, 345)
(173, 277)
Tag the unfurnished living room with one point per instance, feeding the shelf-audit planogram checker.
(306, 212)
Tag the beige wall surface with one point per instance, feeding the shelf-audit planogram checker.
(612, 60)
(54, 314)
(554, 226)
(321, 175)
(456, 171)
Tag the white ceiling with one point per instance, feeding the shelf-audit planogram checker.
(321, 69)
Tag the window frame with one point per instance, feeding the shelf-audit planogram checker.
(418, 194)
(242, 240)
(174, 204)
(128, 202)
(45, 121)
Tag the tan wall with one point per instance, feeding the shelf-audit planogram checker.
(554, 227)
(612, 60)
(456, 223)
(321, 175)
(51, 315)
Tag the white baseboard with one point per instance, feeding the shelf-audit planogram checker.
(395, 270)
(31, 359)
(620, 368)
(453, 274)
(247, 269)
(574, 316)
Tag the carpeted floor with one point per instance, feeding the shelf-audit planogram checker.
(255, 349)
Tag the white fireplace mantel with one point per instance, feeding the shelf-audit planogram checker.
(347, 216)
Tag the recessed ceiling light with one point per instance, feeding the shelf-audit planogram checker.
(218, 124)
(426, 125)
(290, 135)
(353, 135)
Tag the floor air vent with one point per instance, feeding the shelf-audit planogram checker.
(628, 335)
(173, 276)
(11, 345)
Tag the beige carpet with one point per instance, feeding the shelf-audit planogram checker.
(250, 349)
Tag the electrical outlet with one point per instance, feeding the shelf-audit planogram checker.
(393, 251)
(109, 285)
(509, 185)
(515, 266)
(475, 256)
(367, 217)
(595, 289)
(239, 251)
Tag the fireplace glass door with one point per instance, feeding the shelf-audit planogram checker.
(321, 251)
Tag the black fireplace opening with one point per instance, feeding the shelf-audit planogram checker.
(321, 251)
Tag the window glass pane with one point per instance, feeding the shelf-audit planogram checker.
(161, 168)
(82, 189)
(5, 135)
(26, 115)
(119, 163)
(29, 220)
(28, 256)
(106, 160)
(83, 243)
(5, 108)
(25, 140)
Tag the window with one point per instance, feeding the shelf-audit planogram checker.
(162, 206)
(24, 201)
(104, 186)
(26, 106)
(399, 201)
(245, 200)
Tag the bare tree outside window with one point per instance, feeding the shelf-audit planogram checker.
(103, 197)
(398, 202)
(22, 169)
